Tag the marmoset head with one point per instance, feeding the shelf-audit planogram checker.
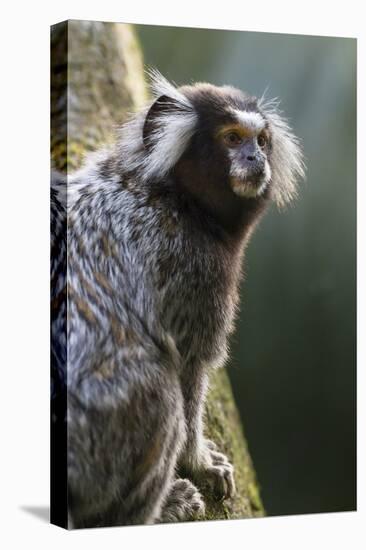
(221, 144)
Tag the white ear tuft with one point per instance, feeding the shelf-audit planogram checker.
(160, 86)
(154, 140)
(287, 157)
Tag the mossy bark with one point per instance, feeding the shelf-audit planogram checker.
(96, 79)
(223, 426)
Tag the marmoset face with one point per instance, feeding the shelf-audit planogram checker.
(234, 139)
(247, 144)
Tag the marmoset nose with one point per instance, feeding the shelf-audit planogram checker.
(255, 163)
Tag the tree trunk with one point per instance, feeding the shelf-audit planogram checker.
(96, 78)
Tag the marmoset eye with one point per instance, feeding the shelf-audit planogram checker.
(261, 140)
(232, 139)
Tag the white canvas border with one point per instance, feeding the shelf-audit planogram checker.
(24, 274)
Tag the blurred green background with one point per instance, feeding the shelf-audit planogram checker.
(293, 359)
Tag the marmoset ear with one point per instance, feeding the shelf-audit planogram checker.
(157, 116)
(154, 141)
(168, 127)
(287, 160)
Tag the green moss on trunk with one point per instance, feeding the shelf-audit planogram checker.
(224, 427)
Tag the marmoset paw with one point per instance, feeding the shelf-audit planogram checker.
(183, 503)
(220, 472)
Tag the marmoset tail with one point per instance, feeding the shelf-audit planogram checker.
(157, 226)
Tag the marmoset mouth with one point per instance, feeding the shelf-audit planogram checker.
(249, 187)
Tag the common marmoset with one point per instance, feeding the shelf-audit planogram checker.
(156, 230)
